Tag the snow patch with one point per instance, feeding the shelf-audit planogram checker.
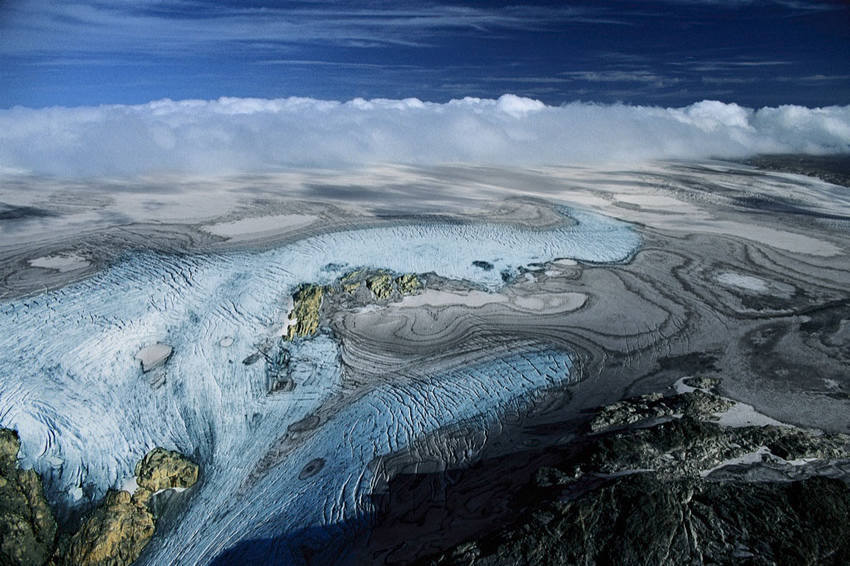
(62, 263)
(747, 282)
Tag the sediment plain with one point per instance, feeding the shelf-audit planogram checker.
(545, 294)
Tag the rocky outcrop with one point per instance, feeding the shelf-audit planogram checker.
(27, 524)
(642, 488)
(381, 285)
(385, 287)
(642, 519)
(408, 283)
(118, 530)
(305, 313)
(696, 404)
(165, 469)
(113, 534)
(688, 447)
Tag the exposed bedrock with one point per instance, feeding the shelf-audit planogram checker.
(354, 289)
(27, 525)
(645, 520)
(668, 484)
(114, 533)
(117, 531)
(165, 469)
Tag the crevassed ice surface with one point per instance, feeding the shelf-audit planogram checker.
(85, 413)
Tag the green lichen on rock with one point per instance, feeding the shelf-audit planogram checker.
(306, 313)
(164, 469)
(308, 302)
(114, 534)
(408, 283)
(351, 276)
(381, 286)
(384, 286)
(351, 287)
(27, 524)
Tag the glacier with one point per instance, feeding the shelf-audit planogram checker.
(273, 465)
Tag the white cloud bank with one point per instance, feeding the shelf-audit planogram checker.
(236, 135)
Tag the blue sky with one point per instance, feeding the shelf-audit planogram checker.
(666, 53)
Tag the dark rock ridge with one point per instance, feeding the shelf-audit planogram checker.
(656, 480)
(641, 519)
(833, 169)
(113, 534)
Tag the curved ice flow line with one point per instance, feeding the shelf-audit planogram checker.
(384, 421)
(85, 414)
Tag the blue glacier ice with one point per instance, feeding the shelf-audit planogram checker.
(86, 413)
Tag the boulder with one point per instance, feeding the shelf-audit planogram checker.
(165, 469)
(154, 356)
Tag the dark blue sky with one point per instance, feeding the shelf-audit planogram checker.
(667, 53)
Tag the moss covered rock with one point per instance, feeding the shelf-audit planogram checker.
(27, 524)
(308, 301)
(164, 469)
(114, 534)
(381, 286)
(408, 283)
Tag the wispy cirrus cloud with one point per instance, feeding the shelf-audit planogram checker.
(117, 51)
(621, 76)
(799, 5)
(96, 26)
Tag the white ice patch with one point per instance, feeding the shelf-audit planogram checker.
(62, 263)
(681, 387)
(741, 415)
(741, 281)
(749, 458)
(153, 356)
(75, 493)
(129, 484)
(737, 416)
(437, 298)
(257, 227)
